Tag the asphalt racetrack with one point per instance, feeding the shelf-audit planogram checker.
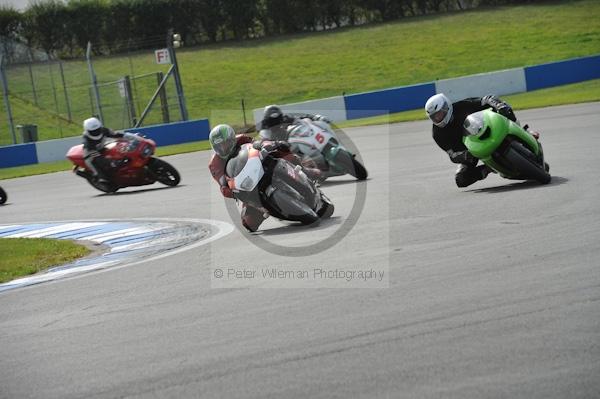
(492, 291)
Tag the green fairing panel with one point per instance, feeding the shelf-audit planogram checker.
(499, 127)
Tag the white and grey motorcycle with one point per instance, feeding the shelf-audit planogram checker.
(275, 186)
(318, 146)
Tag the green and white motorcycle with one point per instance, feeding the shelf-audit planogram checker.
(505, 147)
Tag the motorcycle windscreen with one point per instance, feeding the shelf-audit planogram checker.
(246, 169)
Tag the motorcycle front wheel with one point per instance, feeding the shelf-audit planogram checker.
(346, 162)
(521, 158)
(104, 187)
(3, 196)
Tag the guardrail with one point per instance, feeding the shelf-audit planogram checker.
(55, 150)
(353, 106)
(404, 98)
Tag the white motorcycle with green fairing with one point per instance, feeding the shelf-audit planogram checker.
(318, 146)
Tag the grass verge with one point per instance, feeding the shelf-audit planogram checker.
(25, 256)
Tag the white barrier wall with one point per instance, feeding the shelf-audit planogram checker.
(499, 83)
(333, 108)
(55, 150)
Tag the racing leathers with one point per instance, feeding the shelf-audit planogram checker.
(449, 137)
(252, 218)
(277, 129)
(92, 153)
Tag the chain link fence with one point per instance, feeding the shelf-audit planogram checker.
(55, 96)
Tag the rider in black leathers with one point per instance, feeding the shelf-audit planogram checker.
(94, 135)
(275, 123)
(448, 119)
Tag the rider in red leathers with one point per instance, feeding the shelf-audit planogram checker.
(226, 145)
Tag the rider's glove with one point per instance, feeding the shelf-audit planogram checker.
(226, 191)
(507, 111)
(271, 146)
(321, 118)
(499, 106)
(130, 136)
(492, 101)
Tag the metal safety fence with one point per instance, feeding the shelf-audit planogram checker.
(51, 97)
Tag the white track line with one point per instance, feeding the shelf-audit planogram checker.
(223, 229)
(53, 230)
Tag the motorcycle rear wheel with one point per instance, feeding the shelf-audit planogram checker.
(164, 172)
(522, 159)
(3, 196)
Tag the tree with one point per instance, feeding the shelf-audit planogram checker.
(10, 26)
(211, 15)
(46, 24)
(85, 22)
(241, 15)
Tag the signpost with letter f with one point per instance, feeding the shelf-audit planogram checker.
(168, 56)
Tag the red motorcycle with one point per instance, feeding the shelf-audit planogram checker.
(129, 163)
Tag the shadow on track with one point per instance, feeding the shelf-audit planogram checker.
(524, 185)
(332, 183)
(137, 191)
(298, 228)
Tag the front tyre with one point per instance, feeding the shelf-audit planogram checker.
(164, 172)
(522, 159)
(3, 196)
(359, 170)
(293, 209)
(327, 207)
(104, 187)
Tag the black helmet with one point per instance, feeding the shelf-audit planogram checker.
(272, 116)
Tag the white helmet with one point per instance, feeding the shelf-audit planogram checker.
(91, 127)
(439, 110)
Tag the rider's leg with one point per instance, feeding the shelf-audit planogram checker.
(467, 174)
(251, 218)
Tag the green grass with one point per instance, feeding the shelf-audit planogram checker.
(25, 256)
(316, 65)
(37, 169)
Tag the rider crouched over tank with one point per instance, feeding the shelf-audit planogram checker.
(448, 119)
(275, 123)
(94, 139)
(226, 145)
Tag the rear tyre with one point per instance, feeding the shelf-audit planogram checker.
(164, 172)
(522, 159)
(3, 196)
